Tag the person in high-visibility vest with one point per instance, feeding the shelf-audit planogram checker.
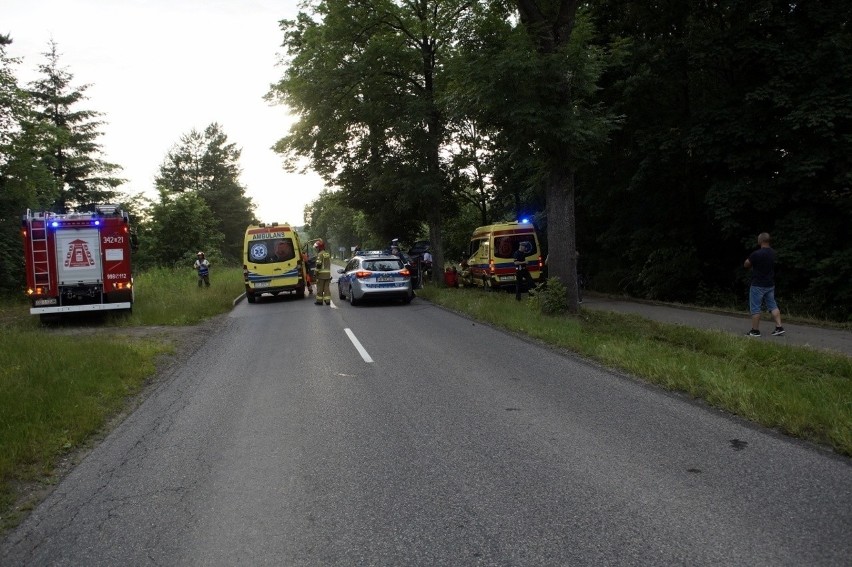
(323, 274)
(202, 266)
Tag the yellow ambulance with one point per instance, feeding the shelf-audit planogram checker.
(490, 261)
(272, 261)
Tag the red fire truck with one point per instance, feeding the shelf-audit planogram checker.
(78, 261)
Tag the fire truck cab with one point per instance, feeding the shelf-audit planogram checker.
(78, 261)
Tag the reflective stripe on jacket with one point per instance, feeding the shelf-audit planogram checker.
(324, 265)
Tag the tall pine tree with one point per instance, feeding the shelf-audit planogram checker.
(24, 181)
(73, 154)
(207, 165)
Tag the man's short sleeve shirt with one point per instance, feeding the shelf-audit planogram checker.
(762, 267)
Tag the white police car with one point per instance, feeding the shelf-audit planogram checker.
(375, 275)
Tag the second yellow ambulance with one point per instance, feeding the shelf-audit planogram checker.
(490, 259)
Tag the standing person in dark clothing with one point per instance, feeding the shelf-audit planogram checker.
(522, 274)
(762, 265)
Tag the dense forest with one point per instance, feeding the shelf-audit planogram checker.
(737, 120)
(655, 139)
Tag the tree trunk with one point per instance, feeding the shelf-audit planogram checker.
(550, 25)
(561, 232)
(434, 128)
(437, 251)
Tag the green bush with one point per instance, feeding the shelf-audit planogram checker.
(551, 299)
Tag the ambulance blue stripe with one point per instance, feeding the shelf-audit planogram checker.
(254, 277)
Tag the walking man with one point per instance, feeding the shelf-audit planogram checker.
(323, 274)
(762, 265)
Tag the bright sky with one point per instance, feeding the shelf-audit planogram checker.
(159, 68)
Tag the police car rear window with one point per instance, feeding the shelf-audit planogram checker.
(382, 265)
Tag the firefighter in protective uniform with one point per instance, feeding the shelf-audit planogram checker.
(323, 274)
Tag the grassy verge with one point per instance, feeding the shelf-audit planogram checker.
(799, 391)
(57, 390)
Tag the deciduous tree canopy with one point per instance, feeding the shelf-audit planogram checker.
(665, 136)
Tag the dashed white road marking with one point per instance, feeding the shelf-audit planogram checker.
(361, 350)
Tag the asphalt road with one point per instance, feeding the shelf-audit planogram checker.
(407, 435)
(834, 340)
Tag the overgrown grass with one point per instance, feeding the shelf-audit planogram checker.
(169, 297)
(56, 391)
(799, 391)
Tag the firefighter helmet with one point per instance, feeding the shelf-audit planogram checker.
(319, 244)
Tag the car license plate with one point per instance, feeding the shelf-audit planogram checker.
(261, 284)
(507, 278)
(384, 278)
(49, 301)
